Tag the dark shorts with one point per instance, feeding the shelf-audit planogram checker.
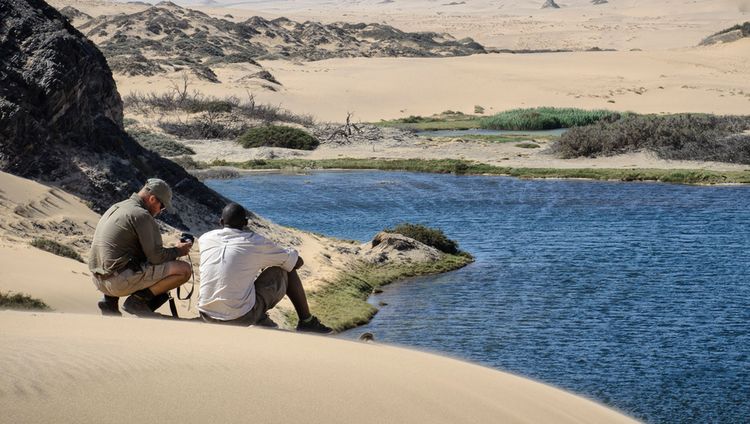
(270, 288)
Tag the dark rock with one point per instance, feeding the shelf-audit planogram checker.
(71, 13)
(61, 119)
(367, 337)
(599, 1)
(550, 3)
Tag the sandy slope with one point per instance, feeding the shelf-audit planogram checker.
(519, 24)
(92, 369)
(700, 79)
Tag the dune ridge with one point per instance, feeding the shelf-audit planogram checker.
(96, 369)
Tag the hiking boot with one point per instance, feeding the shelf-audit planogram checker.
(138, 304)
(109, 306)
(313, 325)
(266, 321)
(157, 301)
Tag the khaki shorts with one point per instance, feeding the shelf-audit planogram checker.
(270, 288)
(129, 281)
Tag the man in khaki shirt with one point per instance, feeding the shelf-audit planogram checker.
(127, 256)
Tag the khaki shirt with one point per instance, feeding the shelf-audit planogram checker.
(126, 232)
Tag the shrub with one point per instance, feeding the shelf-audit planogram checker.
(413, 119)
(204, 127)
(181, 99)
(429, 236)
(21, 301)
(56, 248)
(528, 145)
(546, 118)
(212, 105)
(478, 109)
(745, 28)
(675, 137)
(161, 144)
(278, 136)
(187, 162)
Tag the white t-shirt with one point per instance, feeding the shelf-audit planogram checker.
(231, 260)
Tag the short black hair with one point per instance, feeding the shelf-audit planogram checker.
(234, 215)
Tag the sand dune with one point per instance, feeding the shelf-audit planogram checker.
(91, 369)
(701, 79)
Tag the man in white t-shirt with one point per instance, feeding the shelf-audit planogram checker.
(243, 275)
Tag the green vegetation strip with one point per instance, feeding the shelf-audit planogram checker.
(545, 118)
(343, 303)
(448, 120)
(528, 119)
(21, 301)
(448, 166)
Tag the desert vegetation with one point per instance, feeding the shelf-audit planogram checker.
(546, 118)
(676, 137)
(159, 143)
(456, 166)
(744, 28)
(278, 136)
(447, 120)
(56, 248)
(343, 303)
(188, 114)
(10, 300)
(433, 237)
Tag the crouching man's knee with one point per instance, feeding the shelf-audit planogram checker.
(181, 269)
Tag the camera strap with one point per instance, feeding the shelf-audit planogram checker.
(172, 303)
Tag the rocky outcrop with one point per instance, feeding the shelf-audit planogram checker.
(74, 14)
(176, 38)
(595, 2)
(728, 35)
(396, 248)
(61, 118)
(550, 4)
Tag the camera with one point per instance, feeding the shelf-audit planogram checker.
(187, 238)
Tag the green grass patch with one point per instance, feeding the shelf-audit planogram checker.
(278, 136)
(499, 138)
(9, 300)
(455, 166)
(56, 248)
(545, 118)
(448, 120)
(343, 303)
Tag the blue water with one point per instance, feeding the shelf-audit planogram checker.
(632, 294)
(459, 133)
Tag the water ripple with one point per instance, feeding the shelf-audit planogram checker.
(633, 294)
